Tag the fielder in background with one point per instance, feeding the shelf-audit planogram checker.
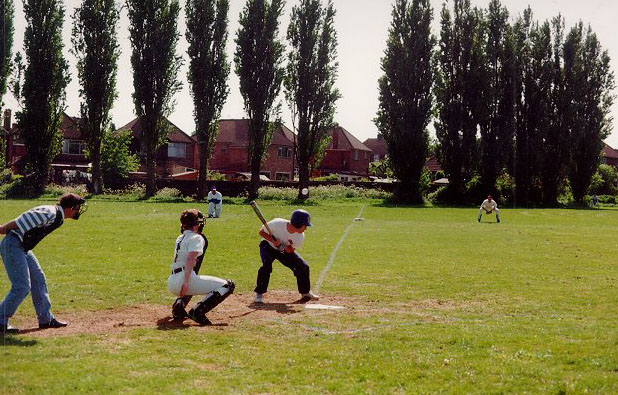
(215, 203)
(489, 206)
(22, 266)
(287, 236)
(184, 281)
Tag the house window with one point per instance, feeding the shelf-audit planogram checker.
(282, 176)
(355, 154)
(73, 147)
(284, 152)
(266, 174)
(176, 150)
(223, 148)
(366, 155)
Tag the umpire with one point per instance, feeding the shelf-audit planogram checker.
(22, 266)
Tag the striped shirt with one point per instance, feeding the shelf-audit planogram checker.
(37, 217)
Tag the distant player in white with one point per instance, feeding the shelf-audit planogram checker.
(215, 203)
(184, 281)
(489, 205)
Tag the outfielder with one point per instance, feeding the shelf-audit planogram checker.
(488, 206)
(184, 281)
(286, 237)
(22, 266)
(215, 203)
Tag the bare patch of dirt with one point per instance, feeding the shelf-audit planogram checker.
(234, 310)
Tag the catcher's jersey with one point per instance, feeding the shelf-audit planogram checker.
(280, 230)
(188, 242)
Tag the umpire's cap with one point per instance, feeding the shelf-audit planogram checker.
(300, 218)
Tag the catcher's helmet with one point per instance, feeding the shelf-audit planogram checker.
(190, 218)
(300, 218)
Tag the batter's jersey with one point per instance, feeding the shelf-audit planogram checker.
(279, 228)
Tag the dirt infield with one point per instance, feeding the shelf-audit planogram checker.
(234, 310)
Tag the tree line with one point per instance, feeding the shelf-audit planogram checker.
(526, 102)
(41, 75)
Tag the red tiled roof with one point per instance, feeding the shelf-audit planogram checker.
(609, 152)
(432, 164)
(377, 145)
(175, 136)
(70, 127)
(236, 133)
(342, 139)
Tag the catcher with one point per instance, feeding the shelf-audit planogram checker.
(488, 206)
(184, 280)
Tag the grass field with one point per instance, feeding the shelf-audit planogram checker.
(435, 303)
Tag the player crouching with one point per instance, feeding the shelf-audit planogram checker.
(489, 206)
(184, 280)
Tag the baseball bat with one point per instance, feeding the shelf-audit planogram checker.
(259, 214)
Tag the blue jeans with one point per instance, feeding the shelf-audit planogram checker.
(25, 275)
(292, 261)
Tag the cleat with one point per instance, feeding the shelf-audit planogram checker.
(259, 298)
(54, 323)
(8, 329)
(309, 296)
(200, 320)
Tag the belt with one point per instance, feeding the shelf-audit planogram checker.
(178, 270)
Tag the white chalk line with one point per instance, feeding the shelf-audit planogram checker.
(333, 253)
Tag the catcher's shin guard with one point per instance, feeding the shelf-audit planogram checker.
(210, 301)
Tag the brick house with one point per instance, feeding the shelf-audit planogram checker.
(377, 147)
(178, 155)
(609, 156)
(345, 156)
(231, 154)
(71, 164)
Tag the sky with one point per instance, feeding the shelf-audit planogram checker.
(362, 28)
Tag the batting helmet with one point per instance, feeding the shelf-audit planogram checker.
(300, 218)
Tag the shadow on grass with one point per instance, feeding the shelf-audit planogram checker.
(281, 308)
(10, 340)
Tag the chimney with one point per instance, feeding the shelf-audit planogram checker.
(6, 122)
(335, 138)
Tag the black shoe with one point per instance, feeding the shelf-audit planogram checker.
(178, 310)
(479, 220)
(200, 320)
(8, 329)
(498, 221)
(54, 323)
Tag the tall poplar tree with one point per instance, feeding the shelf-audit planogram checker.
(555, 138)
(258, 59)
(497, 129)
(154, 34)
(457, 93)
(95, 45)
(7, 8)
(589, 82)
(310, 80)
(207, 34)
(405, 100)
(42, 91)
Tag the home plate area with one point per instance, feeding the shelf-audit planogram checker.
(233, 311)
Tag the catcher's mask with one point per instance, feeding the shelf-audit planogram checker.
(83, 207)
(190, 218)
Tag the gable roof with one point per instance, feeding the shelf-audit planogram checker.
(342, 139)
(236, 133)
(69, 127)
(609, 152)
(377, 145)
(176, 135)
